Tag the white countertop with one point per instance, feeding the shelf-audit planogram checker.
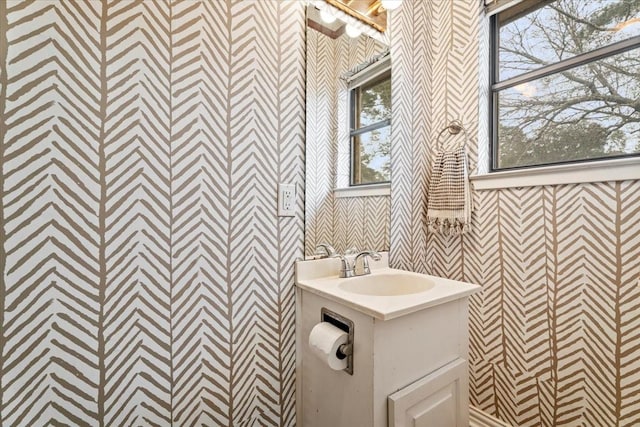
(321, 278)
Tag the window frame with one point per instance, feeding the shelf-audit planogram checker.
(496, 85)
(376, 73)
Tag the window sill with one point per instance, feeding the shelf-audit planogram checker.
(605, 170)
(364, 191)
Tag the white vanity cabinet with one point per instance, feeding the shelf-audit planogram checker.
(408, 370)
(438, 399)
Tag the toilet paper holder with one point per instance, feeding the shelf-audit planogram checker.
(341, 322)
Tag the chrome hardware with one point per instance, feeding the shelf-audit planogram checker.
(325, 250)
(351, 251)
(346, 270)
(365, 262)
(345, 350)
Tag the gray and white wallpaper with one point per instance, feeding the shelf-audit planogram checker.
(361, 222)
(555, 336)
(145, 278)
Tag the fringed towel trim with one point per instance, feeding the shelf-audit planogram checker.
(450, 204)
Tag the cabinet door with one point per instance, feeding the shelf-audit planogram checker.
(440, 399)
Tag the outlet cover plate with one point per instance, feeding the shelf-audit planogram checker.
(286, 199)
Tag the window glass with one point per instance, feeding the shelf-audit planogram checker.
(559, 118)
(372, 161)
(375, 103)
(371, 130)
(563, 29)
(554, 101)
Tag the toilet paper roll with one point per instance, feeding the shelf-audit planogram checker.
(324, 340)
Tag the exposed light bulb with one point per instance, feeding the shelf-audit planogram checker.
(391, 4)
(352, 31)
(327, 17)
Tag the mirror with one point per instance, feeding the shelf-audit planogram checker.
(371, 12)
(334, 17)
(332, 56)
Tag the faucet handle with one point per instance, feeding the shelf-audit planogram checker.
(351, 251)
(325, 250)
(365, 262)
(345, 268)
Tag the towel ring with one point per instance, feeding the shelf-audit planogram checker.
(454, 128)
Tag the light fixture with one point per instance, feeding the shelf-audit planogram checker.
(352, 31)
(391, 4)
(327, 17)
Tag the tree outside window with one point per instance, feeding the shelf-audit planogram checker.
(371, 131)
(567, 82)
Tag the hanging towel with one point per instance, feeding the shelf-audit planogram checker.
(449, 206)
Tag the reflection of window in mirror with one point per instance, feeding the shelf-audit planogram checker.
(370, 124)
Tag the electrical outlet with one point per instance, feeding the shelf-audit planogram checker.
(286, 199)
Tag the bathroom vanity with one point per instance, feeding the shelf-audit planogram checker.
(409, 342)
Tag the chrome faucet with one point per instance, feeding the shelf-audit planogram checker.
(346, 270)
(349, 270)
(325, 250)
(365, 262)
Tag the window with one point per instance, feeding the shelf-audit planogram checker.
(370, 127)
(565, 82)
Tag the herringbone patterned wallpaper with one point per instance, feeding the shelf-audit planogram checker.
(145, 277)
(361, 222)
(555, 334)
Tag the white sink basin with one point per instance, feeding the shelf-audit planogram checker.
(385, 294)
(386, 284)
